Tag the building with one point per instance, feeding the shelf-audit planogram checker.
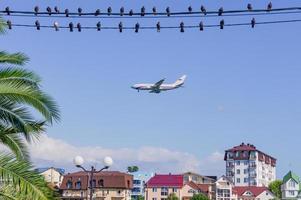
(198, 179)
(108, 185)
(291, 186)
(248, 166)
(160, 186)
(205, 183)
(253, 193)
(53, 176)
(224, 189)
(139, 184)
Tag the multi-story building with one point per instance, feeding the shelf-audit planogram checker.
(224, 189)
(139, 182)
(53, 176)
(159, 187)
(107, 185)
(291, 187)
(248, 166)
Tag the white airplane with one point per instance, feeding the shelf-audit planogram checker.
(159, 86)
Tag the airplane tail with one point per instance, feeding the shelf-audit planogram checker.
(180, 81)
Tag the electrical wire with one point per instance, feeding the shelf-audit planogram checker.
(82, 14)
(162, 27)
(159, 17)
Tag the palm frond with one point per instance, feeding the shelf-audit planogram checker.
(20, 175)
(2, 26)
(15, 58)
(11, 74)
(17, 92)
(15, 143)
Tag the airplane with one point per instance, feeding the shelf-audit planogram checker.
(159, 86)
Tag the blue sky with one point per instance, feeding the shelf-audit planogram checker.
(243, 84)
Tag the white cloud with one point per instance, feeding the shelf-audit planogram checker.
(50, 151)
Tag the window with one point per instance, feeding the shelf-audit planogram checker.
(238, 162)
(292, 183)
(238, 180)
(174, 190)
(245, 180)
(100, 183)
(245, 171)
(69, 184)
(237, 154)
(137, 182)
(238, 171)
(291, 193)
(78, 185)
(154, 189)
(246, 162)
(154, 198)
(164, 191)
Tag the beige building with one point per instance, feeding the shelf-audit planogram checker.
(108, 185)
(53, 176)
(224, 189)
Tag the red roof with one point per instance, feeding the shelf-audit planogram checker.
(243, 147)
(253, 189)
(166, 180)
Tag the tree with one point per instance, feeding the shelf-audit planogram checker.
(132, 169)
(199, 197)
(172, 196)
(20, 94)
(275, 188)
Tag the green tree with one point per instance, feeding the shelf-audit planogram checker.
(140, 197)
(20, 94)
(275, 187)
(132, 169)
(199, 197)
(172, 196)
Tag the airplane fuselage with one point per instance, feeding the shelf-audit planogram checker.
(159, 86)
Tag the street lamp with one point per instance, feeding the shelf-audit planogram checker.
(79, 161)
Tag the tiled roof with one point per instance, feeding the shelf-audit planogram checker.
(243, 147)
(105, 179)
(253, 189)
(166, 180)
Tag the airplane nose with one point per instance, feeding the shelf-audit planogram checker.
(133, 87)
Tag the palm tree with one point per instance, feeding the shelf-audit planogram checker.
(20, 93)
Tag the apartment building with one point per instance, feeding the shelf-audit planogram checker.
(108, 185)
(248, 166)
(139, 182)
(291, 186)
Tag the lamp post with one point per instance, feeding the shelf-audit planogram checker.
(79, 161)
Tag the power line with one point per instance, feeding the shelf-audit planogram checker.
(66, 13)
(201, 26)
(159, 17)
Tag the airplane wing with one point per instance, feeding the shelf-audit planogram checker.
(156, 86)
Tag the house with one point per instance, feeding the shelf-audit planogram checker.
(291, 186)
(189, 189)
(248, 166)
(107, 185)
(53, 176)
(224, 189)
(160, 186)
(198, 179)
(253, 193)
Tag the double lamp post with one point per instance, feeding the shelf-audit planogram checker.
(79, 161)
